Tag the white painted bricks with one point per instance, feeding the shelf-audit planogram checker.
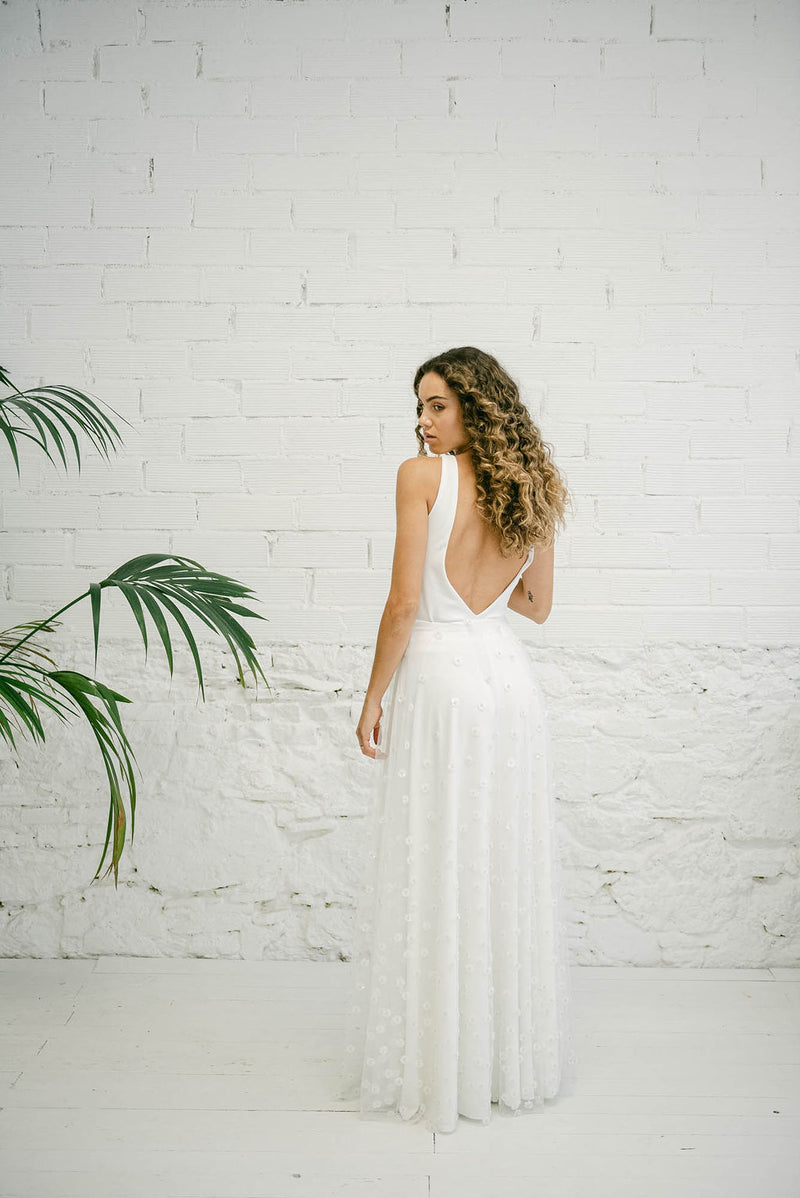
(676, 808)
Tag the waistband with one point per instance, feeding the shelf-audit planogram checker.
(467, 621)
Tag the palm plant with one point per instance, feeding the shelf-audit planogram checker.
(150, 582)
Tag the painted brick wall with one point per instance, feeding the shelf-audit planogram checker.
(244, 224)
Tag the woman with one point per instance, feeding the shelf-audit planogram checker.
(459, 993)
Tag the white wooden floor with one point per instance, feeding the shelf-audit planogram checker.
(161, 1078)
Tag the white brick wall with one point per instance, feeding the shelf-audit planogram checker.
(244, 224)
(677, 811)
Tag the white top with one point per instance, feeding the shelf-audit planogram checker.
(439, 601)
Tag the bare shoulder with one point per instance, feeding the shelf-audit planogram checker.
(419, 477)
(418, 472)
(417, 467)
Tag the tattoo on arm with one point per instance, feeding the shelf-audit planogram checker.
(530, 596)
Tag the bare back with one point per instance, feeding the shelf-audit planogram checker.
(473, 563)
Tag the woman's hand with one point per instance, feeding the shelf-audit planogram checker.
(369, 722)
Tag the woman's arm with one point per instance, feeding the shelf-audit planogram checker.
(533, 594)
(402, 603)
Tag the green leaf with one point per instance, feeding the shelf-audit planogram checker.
(95, 593)
(161, 624)
(116, 752)
(187, 632)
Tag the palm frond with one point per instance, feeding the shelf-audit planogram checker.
(45, 408)
(24, 683)
(151, 581)
(155, 583)
(98, 703)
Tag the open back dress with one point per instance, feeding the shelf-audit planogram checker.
(458, 995)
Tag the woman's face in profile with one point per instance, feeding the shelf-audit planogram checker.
(440, 414)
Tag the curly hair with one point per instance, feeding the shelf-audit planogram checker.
(519, 488)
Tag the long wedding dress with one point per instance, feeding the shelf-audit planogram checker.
(459, 993)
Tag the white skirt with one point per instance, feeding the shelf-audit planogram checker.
(459, 993)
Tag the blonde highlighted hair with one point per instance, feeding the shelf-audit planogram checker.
(519, 488)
